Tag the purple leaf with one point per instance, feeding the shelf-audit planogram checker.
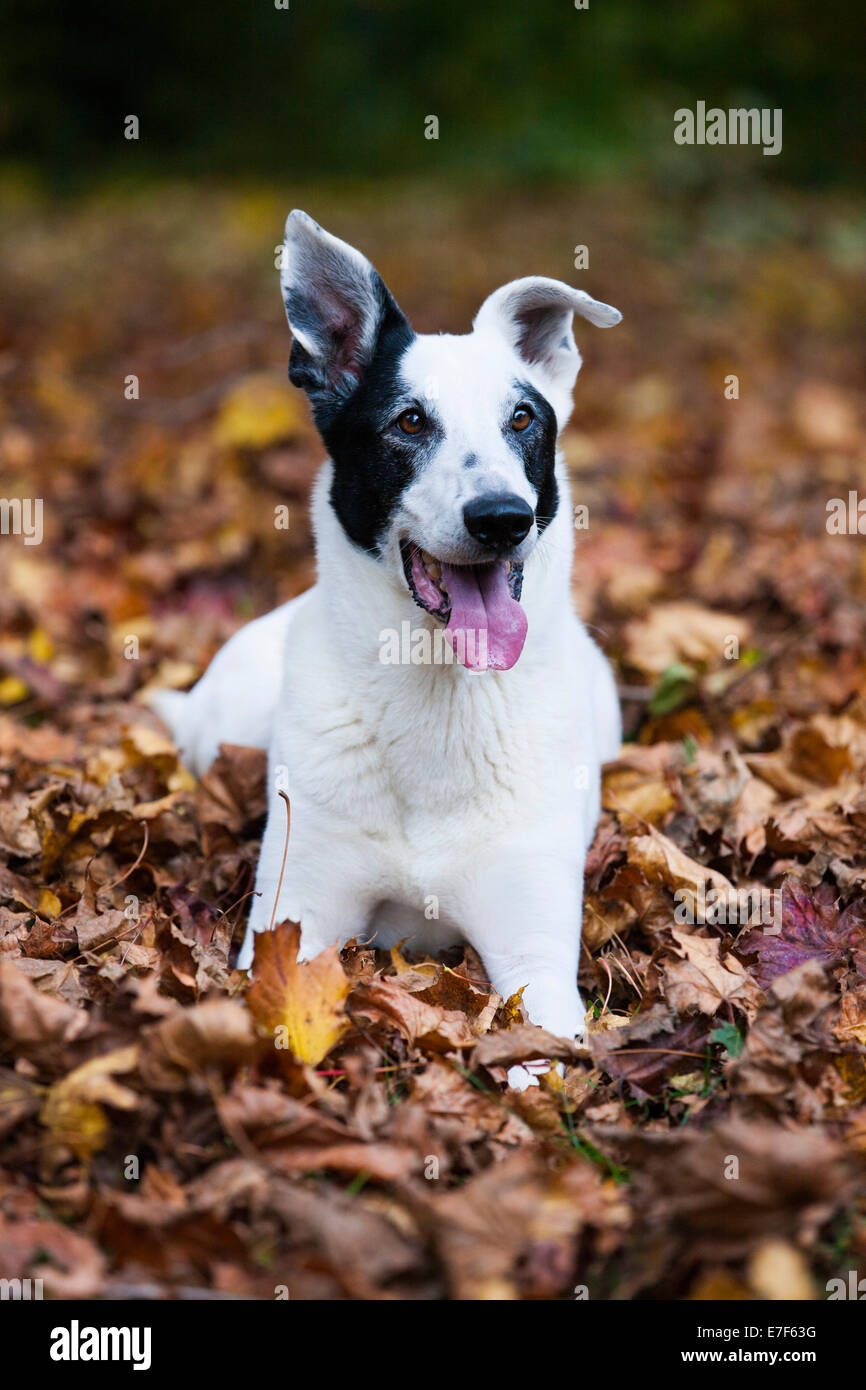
(813, 928)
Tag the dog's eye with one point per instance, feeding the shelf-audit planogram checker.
(521, 417)
(411, 421)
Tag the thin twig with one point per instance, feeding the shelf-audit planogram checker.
(285, 852)
(609, 986)
(123, 877)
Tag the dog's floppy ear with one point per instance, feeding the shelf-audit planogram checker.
(535, 315)
(337, 305)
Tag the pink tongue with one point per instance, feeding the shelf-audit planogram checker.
(487, 627)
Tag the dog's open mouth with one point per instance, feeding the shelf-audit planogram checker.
(480, 605)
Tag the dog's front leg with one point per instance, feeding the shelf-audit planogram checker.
(322, 888)
(524, 920)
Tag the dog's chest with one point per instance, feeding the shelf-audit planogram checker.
(418, 755)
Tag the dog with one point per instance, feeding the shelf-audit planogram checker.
(450, 798)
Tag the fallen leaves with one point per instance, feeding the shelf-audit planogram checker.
(701, 982)
(664, 862)
(790, 1027)
(682, 632)
(69, 1264)
(216, 1034)
(301, 1006)
(708, 1137)
(31, 1019)
(256, 413)
(522, 1043)
(510, 1233)
(719, 1195)
(428, 1024)
(74, 1113)
(812, 929)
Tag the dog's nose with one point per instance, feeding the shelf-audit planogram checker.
(498, 519)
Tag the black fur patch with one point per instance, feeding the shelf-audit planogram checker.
(536, 447)
(372, 464)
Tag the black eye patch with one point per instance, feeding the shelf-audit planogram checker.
(374, 461)
(535, 446)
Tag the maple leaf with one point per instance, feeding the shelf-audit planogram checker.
(813, 928)
(305, 999)
(701, 981)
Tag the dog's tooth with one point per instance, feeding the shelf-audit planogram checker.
(434, 569)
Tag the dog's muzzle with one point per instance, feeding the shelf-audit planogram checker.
(480, 605)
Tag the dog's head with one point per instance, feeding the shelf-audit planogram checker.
(443, 447)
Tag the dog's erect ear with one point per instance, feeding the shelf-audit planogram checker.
(535, 315)
(337, 306)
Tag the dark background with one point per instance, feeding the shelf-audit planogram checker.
(341, 87)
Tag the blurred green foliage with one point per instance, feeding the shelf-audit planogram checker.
(523, 89)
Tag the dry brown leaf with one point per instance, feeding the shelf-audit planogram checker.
(68, 1263)
(523, 1043)
(682, 631)
(217, 1033)
(661, 861)
(30, 1018)
(19, 1098)
(636, 797)
(700, 982)
(851, 1023)
(435, 1027)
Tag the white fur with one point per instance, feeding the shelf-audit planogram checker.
(428, 801)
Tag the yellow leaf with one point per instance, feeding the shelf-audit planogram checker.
(402, 966)
(258, 412)
(40, 646)
(302, 1005)
(49, 904)
(12, 690)
(512, 1011)
(104, 764)
(145, 743)
(719, 1285)
(628, 789)
(852, 1069)
(73, 1112)
(686, 1081)
(777, 1270)
(181, 780)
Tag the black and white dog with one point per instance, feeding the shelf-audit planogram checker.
(446, 789)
